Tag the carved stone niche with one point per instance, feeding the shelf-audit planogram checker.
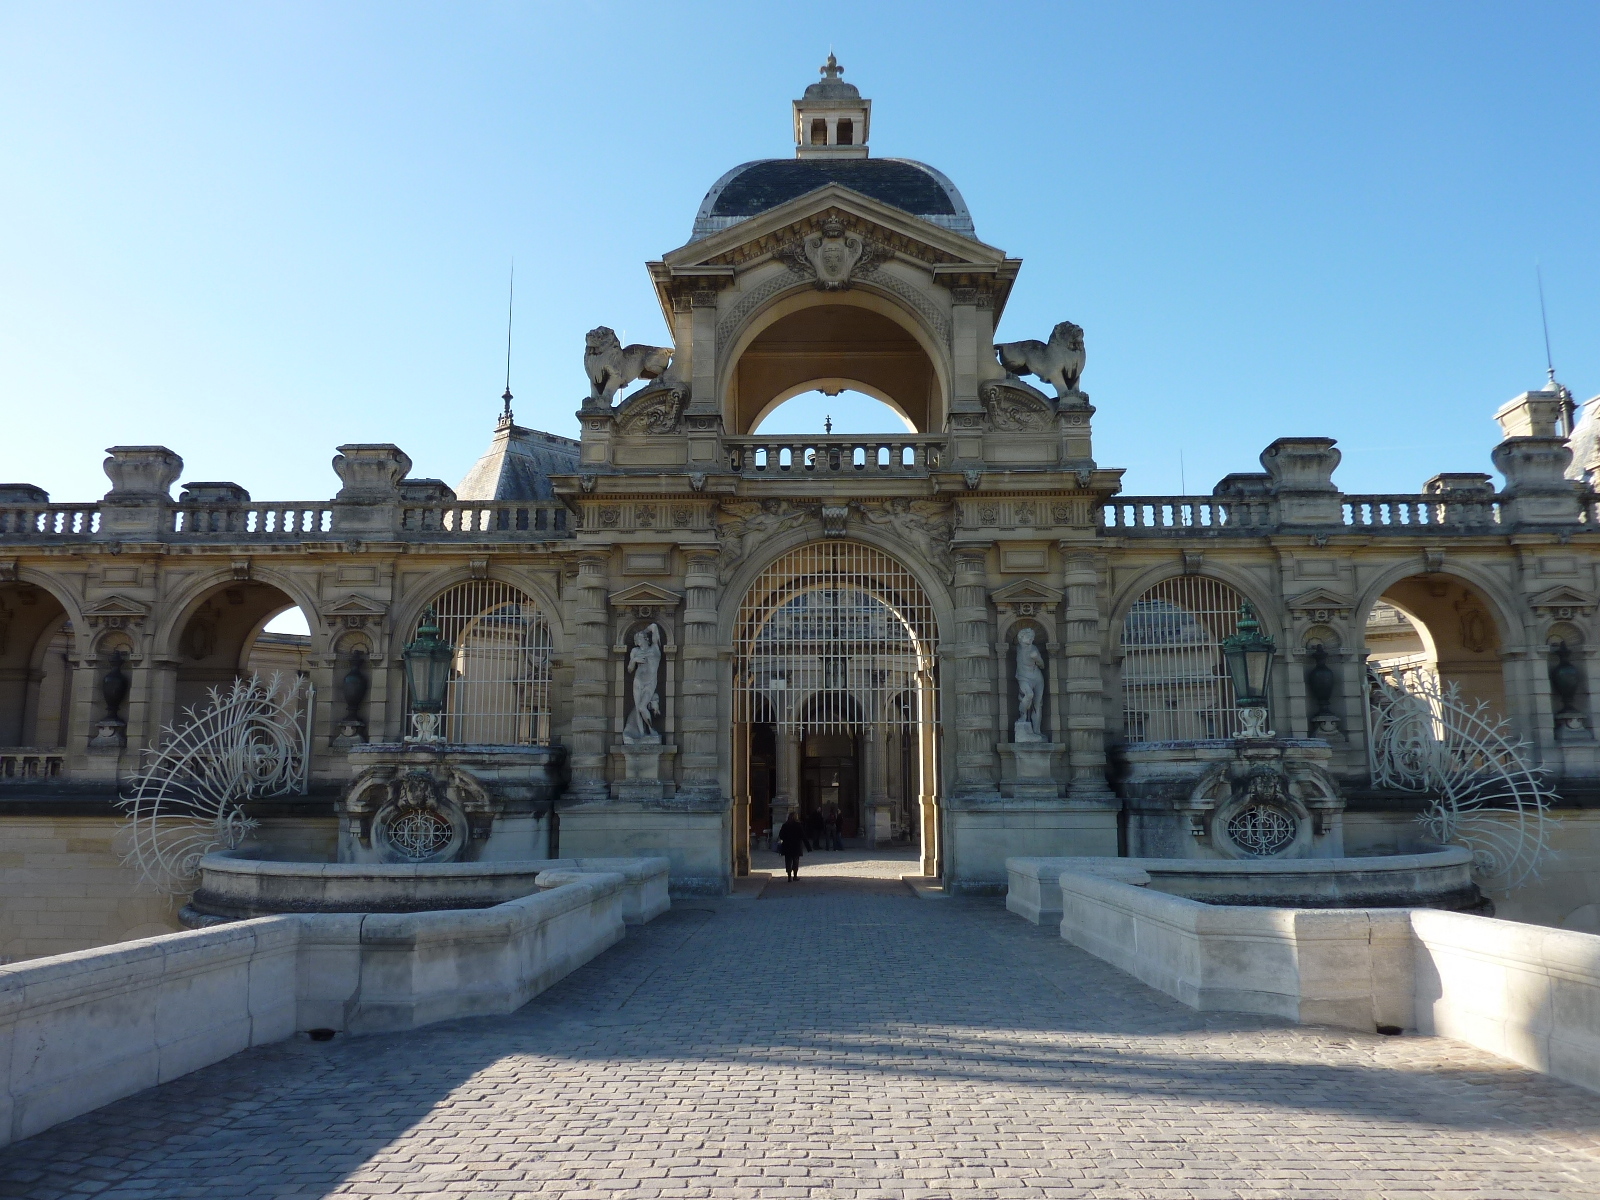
(421, 804)
(642, 754)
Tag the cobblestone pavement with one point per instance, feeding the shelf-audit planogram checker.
(838, 1038)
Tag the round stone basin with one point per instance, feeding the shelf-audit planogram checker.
(1439, 878)
(235, 884)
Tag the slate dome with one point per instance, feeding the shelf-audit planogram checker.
(755, 187)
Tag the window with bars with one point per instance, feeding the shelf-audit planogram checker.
(1175, 685)
(499, 688)
(834, 636)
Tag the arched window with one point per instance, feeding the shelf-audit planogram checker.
(499, 689)
(1175, 685)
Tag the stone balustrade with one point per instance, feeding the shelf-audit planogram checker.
(23, 762)
(290, 521)
(789, 457)
(48, 522)
(1189, 516)
(478, 519)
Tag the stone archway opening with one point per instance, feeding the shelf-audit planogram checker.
(35, 678)
(835, 695)
(237, 630)
(834, 346)
(1443, 629)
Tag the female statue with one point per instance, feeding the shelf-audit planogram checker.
(644, 664)
(1030, 686)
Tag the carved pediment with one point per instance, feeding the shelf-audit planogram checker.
(116, 612)
(1026, 596)
(1562, 603)
(646, 595)
(353, 612)
(1014, 407)
(1321, 605)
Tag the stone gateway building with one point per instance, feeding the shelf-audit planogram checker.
(671, 633)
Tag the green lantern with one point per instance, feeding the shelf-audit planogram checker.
(1249, 654)
(427, 660)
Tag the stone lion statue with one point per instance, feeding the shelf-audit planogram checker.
(611, 365)
(1060, 360)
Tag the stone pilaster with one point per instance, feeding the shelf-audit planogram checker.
(701, 734)
(974, 677)
(590, 656)
(1085, 683)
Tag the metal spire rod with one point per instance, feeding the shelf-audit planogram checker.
(1568, 409)
(505, 414)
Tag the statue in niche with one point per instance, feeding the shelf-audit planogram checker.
(1030, 687)
(644, 664)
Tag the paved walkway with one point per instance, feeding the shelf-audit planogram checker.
(838, 1038)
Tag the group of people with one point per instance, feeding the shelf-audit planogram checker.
(821, 829)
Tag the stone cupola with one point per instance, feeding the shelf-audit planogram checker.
(831, 120)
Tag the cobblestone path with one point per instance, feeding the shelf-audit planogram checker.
(838, 1038)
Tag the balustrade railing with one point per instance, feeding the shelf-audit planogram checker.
(22, 762)
(278, 520)
(40, 522)
(468, 519)
(1437, 513)
(801, 456)
(1158, 516)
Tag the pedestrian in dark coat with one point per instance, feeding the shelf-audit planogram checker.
(791, 844)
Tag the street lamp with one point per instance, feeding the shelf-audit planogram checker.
(1249, 655)
(427, 661)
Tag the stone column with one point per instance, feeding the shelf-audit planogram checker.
(974, 677)
(703, 739)
(590, 660)
(1085, 681)
(879, 825)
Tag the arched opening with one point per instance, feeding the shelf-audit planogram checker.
(828, 345)
(1175, 685)
(835, 688)
(35, 679)
(1438, 631)
(831, 408)
(846, 132)
(226, 637)
(498, 693)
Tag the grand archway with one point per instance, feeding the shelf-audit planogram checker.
(835, 691)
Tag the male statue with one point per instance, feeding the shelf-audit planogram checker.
(1030, 687)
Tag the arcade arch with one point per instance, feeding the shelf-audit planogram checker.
(35, 668)
(1445, 628)
(1175, 685)
(834, 345)
(835, 695)
(224, 637)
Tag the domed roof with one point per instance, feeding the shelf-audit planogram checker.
(755, 187)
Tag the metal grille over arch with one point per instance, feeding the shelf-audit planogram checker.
(1175, 685)
(832, 635)
(499, 688)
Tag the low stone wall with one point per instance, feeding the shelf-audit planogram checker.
(1439, 877)
(645, 898)
(80, 1030)
(1523, 992)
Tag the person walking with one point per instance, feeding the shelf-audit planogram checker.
(791, 843)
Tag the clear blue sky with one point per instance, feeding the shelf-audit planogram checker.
(253, 232)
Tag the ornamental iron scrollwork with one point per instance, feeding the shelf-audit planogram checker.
(252, 739)
(1486, 793)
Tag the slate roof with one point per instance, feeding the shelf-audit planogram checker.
(518, 465)
(755, 187)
